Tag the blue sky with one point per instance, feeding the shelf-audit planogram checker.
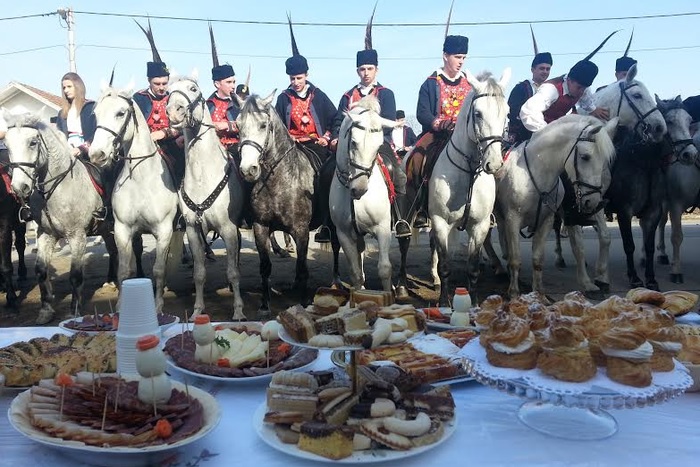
(407, 55)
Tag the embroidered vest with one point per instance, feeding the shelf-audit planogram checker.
(452, 97)
(356, 95)
(158, 118)
(301, 122)
(562, 105)
(220, 114)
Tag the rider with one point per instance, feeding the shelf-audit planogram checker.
(540, 68)
(223, 107)
(402, 137)
(367, 68)
(152, 102)
(439, 101)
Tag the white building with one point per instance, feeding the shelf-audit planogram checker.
(20, 98)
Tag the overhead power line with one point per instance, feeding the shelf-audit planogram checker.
(414, 25)
(15, 52)
(9, 18)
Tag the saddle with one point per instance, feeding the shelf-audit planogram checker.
(422, 159)
(96, 176)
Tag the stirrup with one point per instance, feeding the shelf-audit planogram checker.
(421, 221)
(24, 214)
(100, 214)
(402, 229)
(323, 235)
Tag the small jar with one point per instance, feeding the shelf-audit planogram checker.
(461, 303)
(150, 359)
(203, 332)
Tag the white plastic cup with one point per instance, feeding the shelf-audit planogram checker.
(137, 308)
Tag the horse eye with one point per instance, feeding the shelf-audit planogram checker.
(586, 157)
(637, 95)
(121, 113)
(263, 125)
(33, 143)
(193, 89)
(477, 114)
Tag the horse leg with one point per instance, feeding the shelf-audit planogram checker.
(559, 261)
(511, 239)
(276, 248)
(20, 246)
(576, 241)
(624, 222)
(199, 271)
(335, 245)
(661, 246)
(163, 236)
(384, 263)
(434, 261)
(477, 237)
(402, 289)
(649, 222)
(288, 245)
(6, 264)
(440, 237)
(78, 244)
(493, 256)
(45, 245)
(262, 242)
(602, 278)
(231, 236)
(301, 279)
(354, 258)
(137, 245)
(538, 247)
(676, 241)
(113, 252)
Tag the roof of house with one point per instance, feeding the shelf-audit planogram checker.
(49, 99)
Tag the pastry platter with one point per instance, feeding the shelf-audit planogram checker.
(119, 455)
(267, 434)
(104, 323)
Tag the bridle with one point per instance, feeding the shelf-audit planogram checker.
(191, 106)
(118, 136)
(344, 176)
(678, 145)
(265, 147)
(482, 142)
(641, 117)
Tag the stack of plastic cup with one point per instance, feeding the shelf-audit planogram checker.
(137, 318)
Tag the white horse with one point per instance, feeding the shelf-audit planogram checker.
(211, 195)
(145, 197)
(62, 199)
(530, 191)
(359, 199)
(633, 104)
(462, 188)
(682, 181)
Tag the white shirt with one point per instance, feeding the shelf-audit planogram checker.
(75, 129)
(365, 90)
(532, 111)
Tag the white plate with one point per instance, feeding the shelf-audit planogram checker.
(290, 340)
(240, 380)
(267, 434)
(63, 326)
(116, 456)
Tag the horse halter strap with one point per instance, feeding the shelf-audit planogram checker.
(641, 117)
(480, 140)
(362, 170)
(118, 139)
(191, 105)
(677, 145)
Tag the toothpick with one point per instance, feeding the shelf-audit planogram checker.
(111, 310)
(104, 413)
(182, 337)
(153, 390)
(187, 387)
(267, 354)
(116, 398)
(63, 393)
(96, 320)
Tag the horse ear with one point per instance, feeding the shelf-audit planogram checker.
(678, 99)
(268, 100)
(238, 99)
(505, 77)
(611, 127)
(195, 74)
(658, 101)
(103, 86)
(631, 74)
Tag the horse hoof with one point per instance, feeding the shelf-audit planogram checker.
(401, 292)
(282, 253)
(603, 286)
(595, 294)
(635, 283)
(45, 317)
(264, 313)
(560, 263)
(663, 259)
(677, 278)
(652, 285)
(194, 315)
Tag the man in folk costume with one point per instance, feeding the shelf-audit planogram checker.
(223, 107)
(152, 102)
(561, 95)
(440, 100)
(306, 111)
(402, 137)
(367, 63)
(540, 68)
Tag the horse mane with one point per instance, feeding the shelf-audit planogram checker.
(604, 144)
(492, 86)
(368, 102)
(667, 105)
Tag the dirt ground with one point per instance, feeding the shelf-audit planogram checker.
(218, 300)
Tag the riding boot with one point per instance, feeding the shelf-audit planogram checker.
(421, 220)
(25, 214)
(323, 235)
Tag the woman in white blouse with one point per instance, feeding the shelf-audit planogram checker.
(76, 119)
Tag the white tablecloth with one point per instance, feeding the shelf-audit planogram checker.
(489, 432)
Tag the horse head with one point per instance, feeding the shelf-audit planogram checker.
(361, 135)
(589, 162)
(484, 120)
(115, 114)
(678, 125)
(186, 104)
(256, 123)
(631, 101)
(27, 151)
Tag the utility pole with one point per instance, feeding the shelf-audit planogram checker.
(67, 15)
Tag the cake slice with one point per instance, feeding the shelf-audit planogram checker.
(326, 440)
(298, 323)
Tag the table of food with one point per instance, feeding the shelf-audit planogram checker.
(358, 379)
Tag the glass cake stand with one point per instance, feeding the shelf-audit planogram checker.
(575, 411)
